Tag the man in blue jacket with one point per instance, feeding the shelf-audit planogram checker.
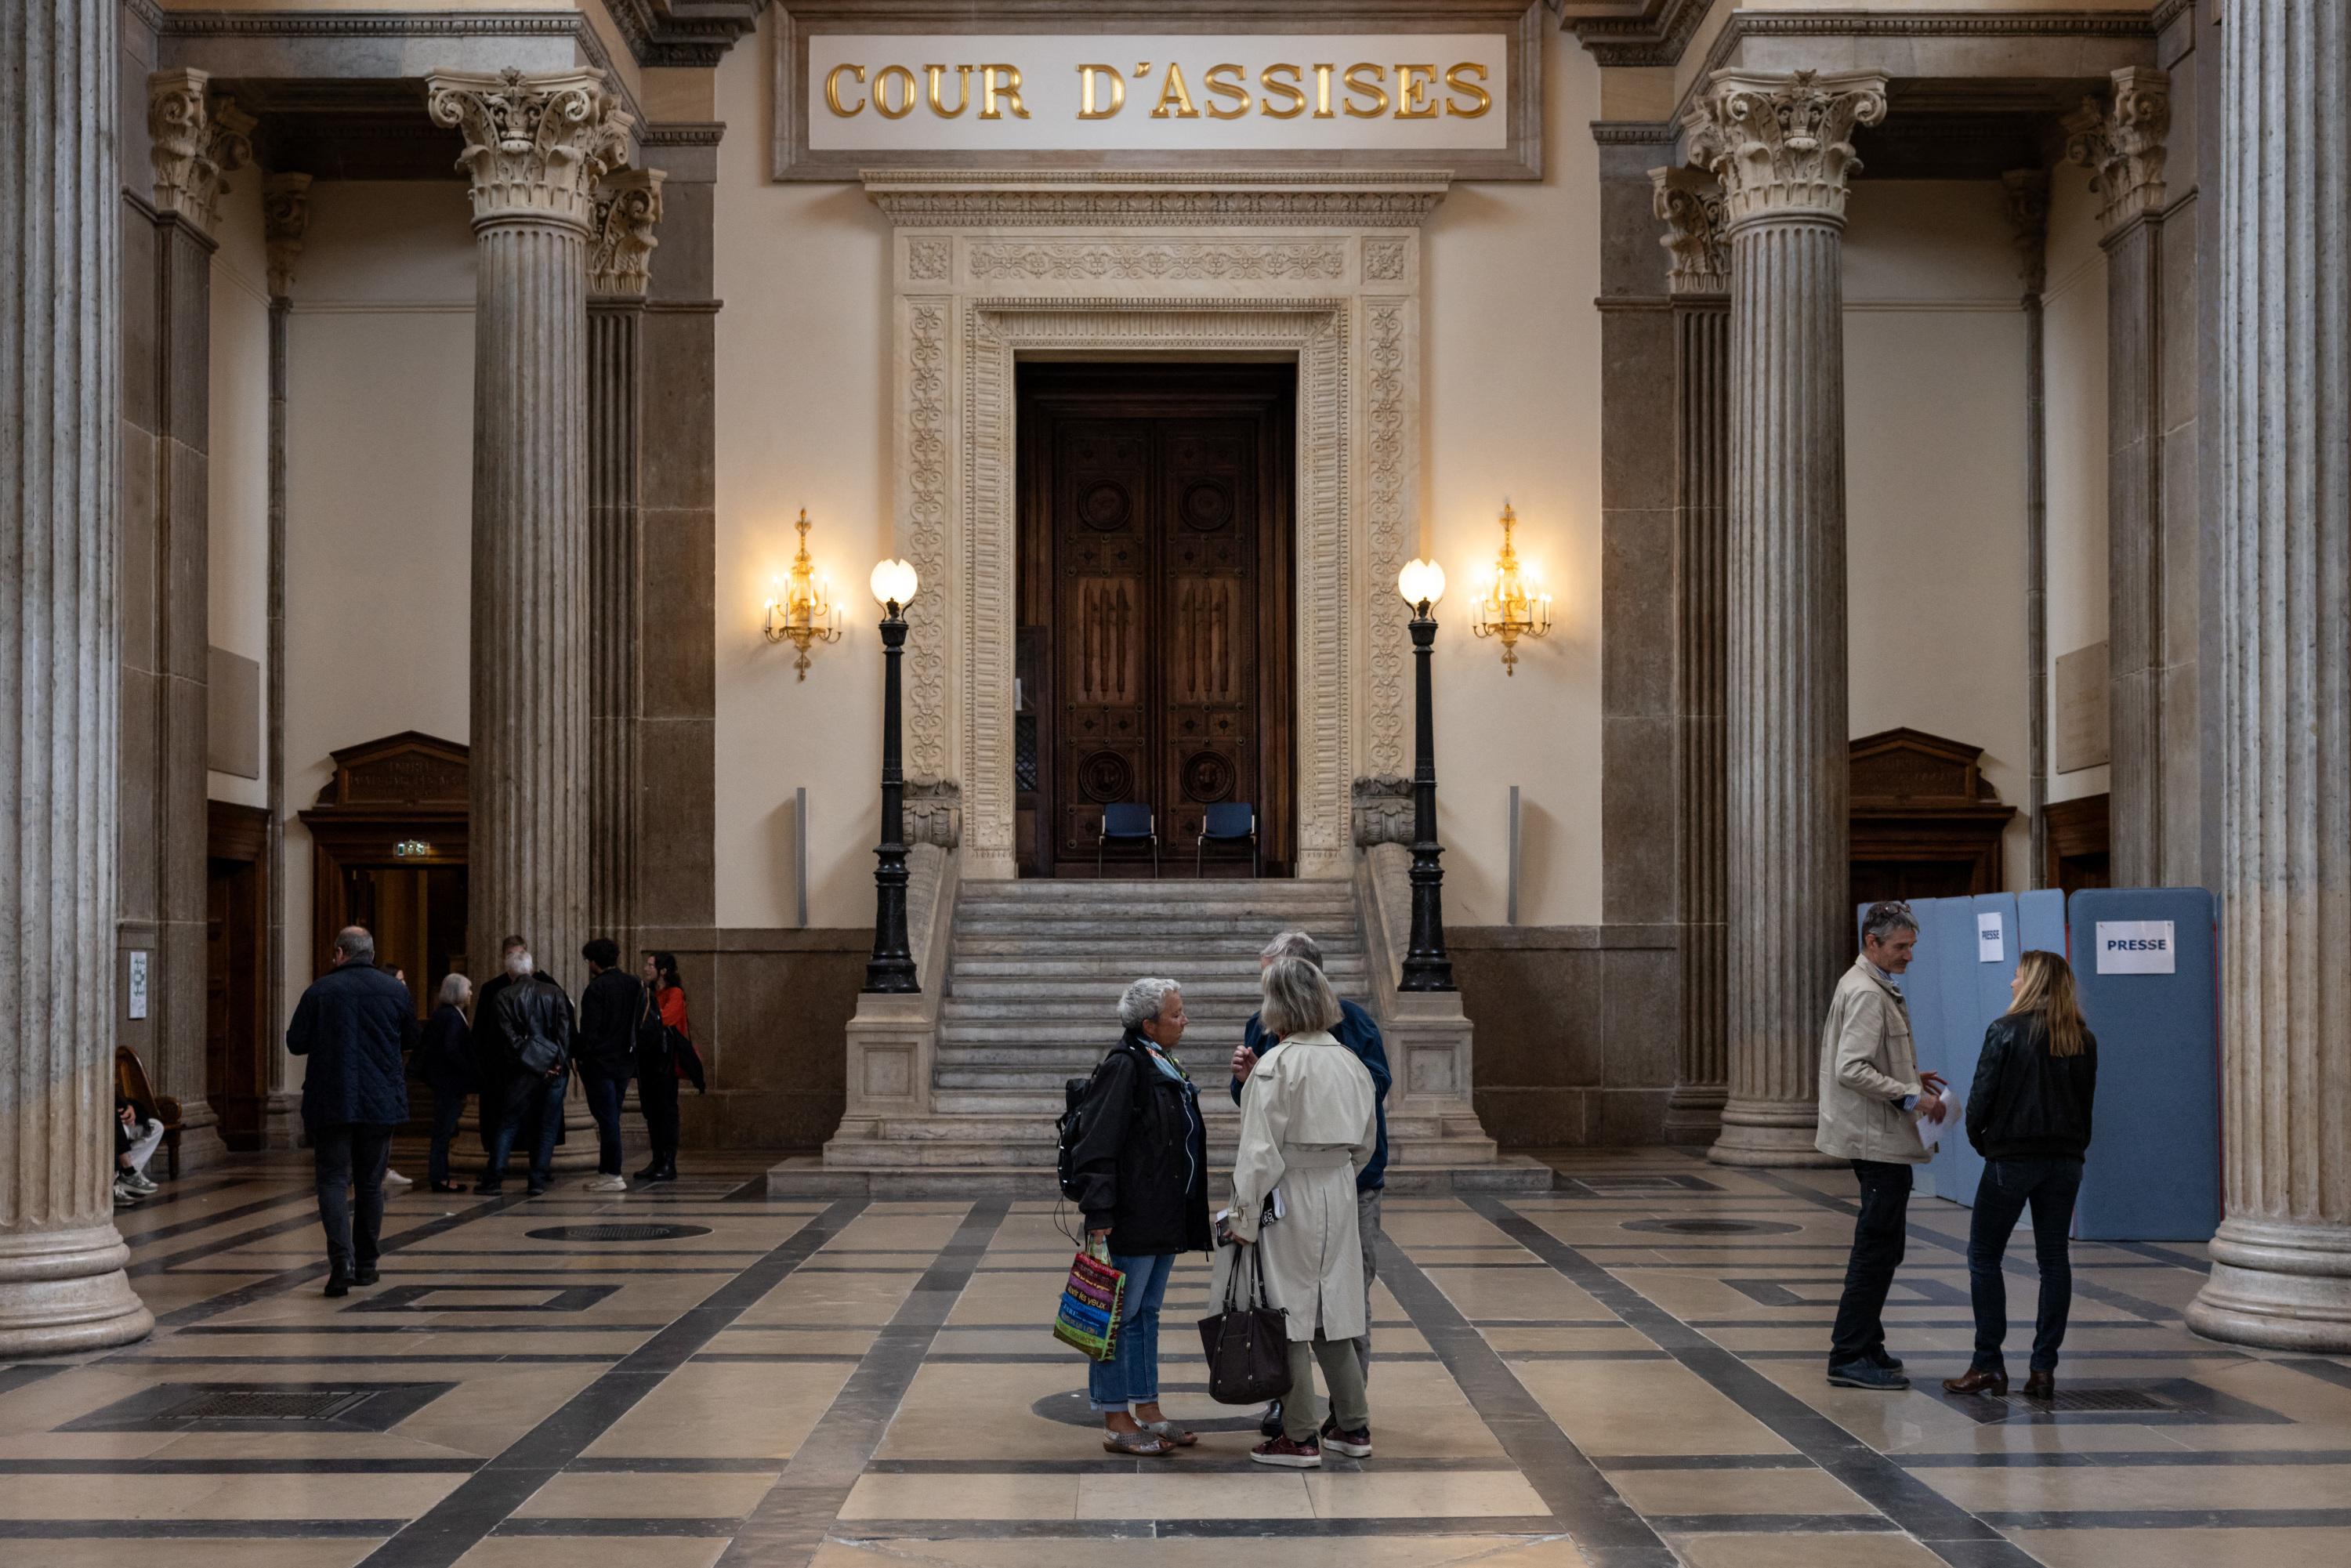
(1358, 1034)
(357, 1025)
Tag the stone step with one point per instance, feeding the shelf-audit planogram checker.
(1093, 1035)
(1111, 929)
(1081, 964)
(1080, 1003)
(806, 1176)
(1211, 890)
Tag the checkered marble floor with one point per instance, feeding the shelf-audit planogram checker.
(1625, 1371)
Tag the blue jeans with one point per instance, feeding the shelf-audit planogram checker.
(1130, 1376)
(605, 1104)
(2048, 1186)
(527, 1099)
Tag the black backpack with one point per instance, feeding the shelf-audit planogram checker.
(1070, 1126)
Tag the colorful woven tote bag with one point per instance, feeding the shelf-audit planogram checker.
(1090, 1303)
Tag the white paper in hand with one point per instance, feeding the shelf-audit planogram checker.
(1953, 1118)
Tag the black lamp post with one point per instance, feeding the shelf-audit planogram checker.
(891, 969)
(1427, 966)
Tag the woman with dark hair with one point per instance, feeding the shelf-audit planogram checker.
(664, 1050)
(2029, 1116)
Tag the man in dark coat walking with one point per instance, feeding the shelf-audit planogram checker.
(606, 1051)
(356, 1024)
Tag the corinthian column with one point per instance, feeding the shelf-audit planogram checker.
(2281, 1260)
(62, 1287)
(535, 148)
(1778, 144)
(1689, 204)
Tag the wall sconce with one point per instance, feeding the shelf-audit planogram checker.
(801, 609)
(1514, 604)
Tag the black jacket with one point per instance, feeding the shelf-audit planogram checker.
(493, 1063)
(609, 1009)
(2025, 1103)
(445, 1059)
(355, 1023)
(1142, 1163)
(533, 1008)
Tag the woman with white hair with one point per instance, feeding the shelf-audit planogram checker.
(1141, 1162)
(446, 1063)
(1308, 1121)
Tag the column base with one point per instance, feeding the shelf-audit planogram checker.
(1694, 1113)
(65, 1291)
(1768, 1133)
(2279, 1285)
(281, 1123)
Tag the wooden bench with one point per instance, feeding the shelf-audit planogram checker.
(131, 1083)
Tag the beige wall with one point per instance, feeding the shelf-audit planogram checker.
(378, 490)
(1935, 475)
(237, 469)
(2075, 322)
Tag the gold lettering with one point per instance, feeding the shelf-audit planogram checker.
(1235, 91)
(1086, 74)
(1322, 92)
(963, 90)
(1412, 83)
(832, 90)
(1478, 95)
(1286, 91)
(1370, 88)
(1009, 92)
(907, 94)
(1173, 91)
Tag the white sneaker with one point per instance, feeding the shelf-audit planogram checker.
(127, 1196)
(137, 1182)
(606, 1184)
(394, 1178)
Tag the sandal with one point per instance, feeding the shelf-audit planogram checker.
(1182, 1437)
(1145, 1445)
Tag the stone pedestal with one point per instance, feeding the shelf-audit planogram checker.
(2281, 1260)
(62, 1286)
(1778, 145)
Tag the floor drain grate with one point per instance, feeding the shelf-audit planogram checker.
(267, 1404)
(616, 1232)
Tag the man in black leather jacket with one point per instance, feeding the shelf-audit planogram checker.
(534, 1025)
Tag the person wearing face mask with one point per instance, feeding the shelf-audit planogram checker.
(535, 1028)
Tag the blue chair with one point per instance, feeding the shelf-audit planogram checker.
(1128, 823)
(1228, 822)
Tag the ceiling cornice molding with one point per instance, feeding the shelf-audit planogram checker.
(689, 32)
(1657, 32)
(1653, 32)
(1239, 198)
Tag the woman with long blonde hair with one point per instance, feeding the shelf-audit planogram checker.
(2029, 1116)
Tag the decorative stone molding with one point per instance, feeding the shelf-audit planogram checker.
(622, 239)
(934, 809)
(285, 220)
(1161, 198)
(1689, 204)
(535, 145)
(1655, 35)
(930, 260)
(1383, 810)
(2121, 143)
(692, 33)
(1156, 261)
(1779, 145)
(2026, 194)
(1387, 359)
(198, 139)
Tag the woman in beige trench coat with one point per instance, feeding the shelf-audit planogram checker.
(1308, 1121)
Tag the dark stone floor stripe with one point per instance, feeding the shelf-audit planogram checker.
(452, 1526)
(1190, 1463)
(140, 1265)
(391, 1325)
(181, 1191)
(196, 1528)
(788, 1526)
(1529, 1527)
(518, 1358)
(1948, 1530)
(2124, 1459)
(229, 1466)
(2326, 1371)
(2173, 1519)
(1702, 1461)
(1772, 1523)
(144, 1266)
(14, 1378)
(1605, 1527)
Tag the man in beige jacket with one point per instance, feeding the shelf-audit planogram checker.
(1872, 1098)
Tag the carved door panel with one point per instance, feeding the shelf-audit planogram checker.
(1207, 604)
(1102, 550)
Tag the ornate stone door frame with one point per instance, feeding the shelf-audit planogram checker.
(989, 267)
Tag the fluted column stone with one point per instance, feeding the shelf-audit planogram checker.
(1779, 145)
(286, 221)
(535, 148)
(2026, 195)
(62, 1285)
(1689, 204)
(2281, 1261)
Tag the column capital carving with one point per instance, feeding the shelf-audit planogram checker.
(198, 139)
(535, 145)
(2121, 143)
(621, 238)
(2026, 195)
(285, 219)
(1689, 204)
(1779, 142)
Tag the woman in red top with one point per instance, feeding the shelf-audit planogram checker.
(664, 1054)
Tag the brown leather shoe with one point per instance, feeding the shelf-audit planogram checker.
(1975, 1381)
(2041, 1385)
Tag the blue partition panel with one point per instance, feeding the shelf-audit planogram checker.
(2154, 1169)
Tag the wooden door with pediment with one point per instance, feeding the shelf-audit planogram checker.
(1154, 594)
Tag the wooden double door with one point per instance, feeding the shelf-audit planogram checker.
(1155, 609)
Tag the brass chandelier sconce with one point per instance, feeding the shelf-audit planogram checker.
(1513, 603)
(801, 609)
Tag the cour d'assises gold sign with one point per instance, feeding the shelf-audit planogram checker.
(862, 85)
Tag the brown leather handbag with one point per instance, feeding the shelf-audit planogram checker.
(1247, 1343)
